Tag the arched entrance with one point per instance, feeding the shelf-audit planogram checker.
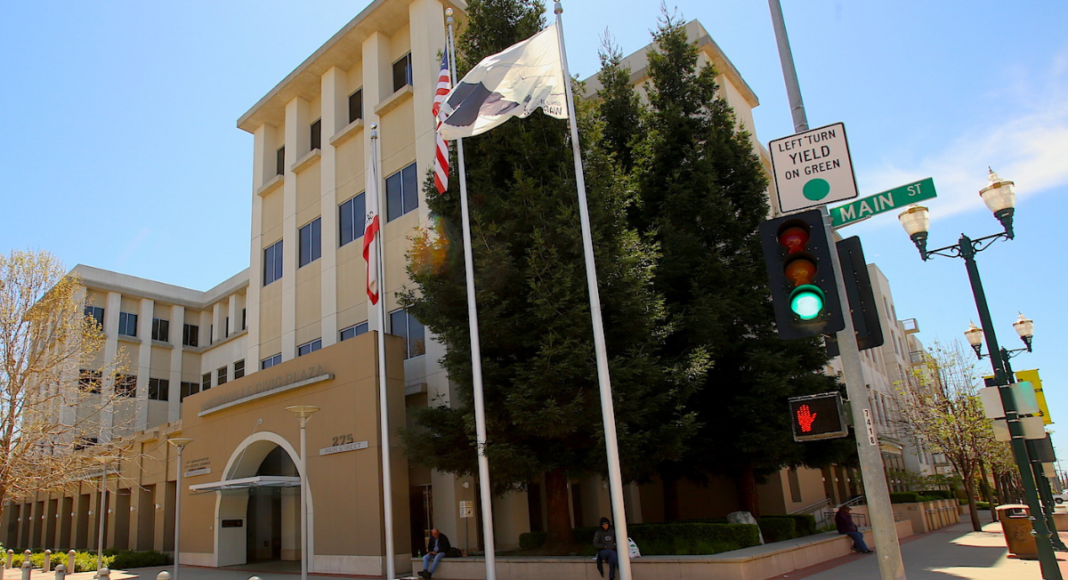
(258, 504)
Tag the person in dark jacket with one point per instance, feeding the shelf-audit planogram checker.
(844, 522)
(604, 541)
(436, 549)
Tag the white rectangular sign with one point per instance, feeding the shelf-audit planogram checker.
(343, 448)
(812, 168)
(870, 425)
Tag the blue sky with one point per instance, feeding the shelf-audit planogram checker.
(118, 144)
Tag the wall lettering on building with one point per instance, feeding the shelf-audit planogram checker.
(343, 448)
(265, 387)
(233, 523)
(342, 439)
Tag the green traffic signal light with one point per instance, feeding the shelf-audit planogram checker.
(807, 301)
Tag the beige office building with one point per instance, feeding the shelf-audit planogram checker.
(220, 367)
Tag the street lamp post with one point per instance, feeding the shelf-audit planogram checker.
(303, 413)
(1000, 197)
(179, 443)
(1025, 328)
(101, 509)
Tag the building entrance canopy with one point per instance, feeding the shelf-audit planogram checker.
(246, 482)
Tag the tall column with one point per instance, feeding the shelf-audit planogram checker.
(263, 141)
(218, 322)
(427, 24)
(334, 105)
(377, 82)
(111, 350)
(233, 312)
(174, 394)
(298, 138)
(144, 360)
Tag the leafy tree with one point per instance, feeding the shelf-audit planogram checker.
(701, 194)
(45, 339)
(940, 400)
(539, 372)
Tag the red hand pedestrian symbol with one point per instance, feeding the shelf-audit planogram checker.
(805, 417)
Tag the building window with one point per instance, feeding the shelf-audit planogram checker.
(125, 385)
(356, 105)
(280, 161)
(161, 330)
(309, 347)
(353, 331)
(190, 335)
(316, 135)
(227, 326)
(271, 361)
(205, 381)
(127, 324)
(402, 72)
(244, 319)
(352, 219)
(189, 389)
(405, 325)
(272, 262)
(90, 381)
(239, 369)
(97, 314)
(85, 443)
(211, 334)
(402, 192)
(159, 389)
(221, 373)
(310, 242)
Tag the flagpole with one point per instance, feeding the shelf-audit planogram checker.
(476, 350)
(604, 380)
(383, 405)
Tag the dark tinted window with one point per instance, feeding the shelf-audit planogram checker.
(280, 161)
(222, 377)
(189, 389)
(272, 262)
(190, 335)
(402, 192)
(97, 314)
(405, 325)
(125, 385)
(161, 329)
(271, 361)
(205, 381)
(316, 135)
(159, 389)
(311, 242)
(90, 381)
(402, 72)
(239, 369)
(354, 331)
(356, 105)
(351, 218)
(127, 324)
(309, 347)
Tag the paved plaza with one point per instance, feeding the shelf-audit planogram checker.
(954, 552)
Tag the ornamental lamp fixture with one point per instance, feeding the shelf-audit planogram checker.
(1000, 197)
(1025, 327)
(916, 221)
(974, 334)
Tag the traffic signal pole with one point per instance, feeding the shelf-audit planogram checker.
(887, 548)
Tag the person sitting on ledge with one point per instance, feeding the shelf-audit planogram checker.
(435, 551)
(844, 522)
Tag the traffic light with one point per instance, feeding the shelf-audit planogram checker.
(860, 296)
(816, 417)
(797, 253)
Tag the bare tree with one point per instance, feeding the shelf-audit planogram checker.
(53, 408)
(940, 399)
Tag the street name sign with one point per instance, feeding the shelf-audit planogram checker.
(866, 207)
(812, 168)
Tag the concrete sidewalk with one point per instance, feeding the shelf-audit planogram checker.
(952, 552)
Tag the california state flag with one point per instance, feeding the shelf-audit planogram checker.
(370, 233)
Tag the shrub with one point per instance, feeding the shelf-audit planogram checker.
(806, 523)
(905, 497)
(937, 494)
(777, 529)
(532, 540)
(682, 538)
(83, 561)
(127, 559)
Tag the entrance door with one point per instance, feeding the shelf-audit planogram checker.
(273, 514)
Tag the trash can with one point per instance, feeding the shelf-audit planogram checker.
(1016, 525)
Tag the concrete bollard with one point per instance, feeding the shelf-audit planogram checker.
(61, 572)
(104, 573)
(70, 561)
(10, 555)
(254, 578)
(47, 561)
(26, 567)
(164, 575)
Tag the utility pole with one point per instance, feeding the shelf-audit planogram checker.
(888, 550)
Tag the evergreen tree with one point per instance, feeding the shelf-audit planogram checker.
(702, 194)
(539, 372)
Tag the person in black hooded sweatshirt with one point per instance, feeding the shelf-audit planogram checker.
(604, 541)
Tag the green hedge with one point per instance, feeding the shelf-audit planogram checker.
(777, 529)
(682, 538)
(532, 540)
(805, 524)
(83, 561)
(937, 494)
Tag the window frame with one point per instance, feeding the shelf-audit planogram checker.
(411, 343)
(159, 389)
(356, 331)
(310, 236)
(272, 256)
(125, 385)
(315, 138)
(357, 95)
(93, 312)
(205, 382)
(161, 328)
(273, 360)
(90, 381)
(222, 375)
(239, 369)
(406, 60)
(125, 320)
(356, 221)
(403, 200)
(310, 347)
(280, 161)
(190, 335)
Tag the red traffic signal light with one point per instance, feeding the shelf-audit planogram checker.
(801, 276)
(816, 417)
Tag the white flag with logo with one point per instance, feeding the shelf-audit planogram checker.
(371, 231)
(511, 83)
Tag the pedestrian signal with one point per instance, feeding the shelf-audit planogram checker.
(817, 417)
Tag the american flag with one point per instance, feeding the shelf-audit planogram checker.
(441, 153)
